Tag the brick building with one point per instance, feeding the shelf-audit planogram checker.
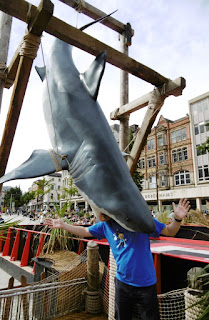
(167, 164)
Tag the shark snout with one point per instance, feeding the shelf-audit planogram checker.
(135, 216)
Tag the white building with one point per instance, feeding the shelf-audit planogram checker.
(199, 116)
(51, 193)
(78, 202)
(52, 190)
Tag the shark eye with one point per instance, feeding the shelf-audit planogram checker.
(127, 219)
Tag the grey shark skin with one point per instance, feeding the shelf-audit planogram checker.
(79, 130)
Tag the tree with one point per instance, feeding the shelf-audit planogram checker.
(138, 176)
(205, 146)
(27, 196)
(41, 188)
(13, 195)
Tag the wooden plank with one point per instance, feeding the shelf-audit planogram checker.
(21, 81)
(95, 13)
(76, 37)
(141, 137)
(174, 87)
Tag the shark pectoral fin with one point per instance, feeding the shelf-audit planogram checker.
(41, 72)
(93, 75)
(39, 164)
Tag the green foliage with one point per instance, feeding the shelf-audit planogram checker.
(131, 139)
(163, 217)
(70, 190)
(59, 239)
(27, 196)
(204, 147)
(42, 185)
(14, 195)
(204, 293)
(196, 216)
(138, 176)
(4, 226)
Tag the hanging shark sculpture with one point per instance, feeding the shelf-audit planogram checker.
(83, 142)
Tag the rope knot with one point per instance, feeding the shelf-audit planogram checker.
(79, 6)
(30, 45)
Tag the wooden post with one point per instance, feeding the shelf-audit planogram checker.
(36, 28)
(25, 300)
(8, 301)
(124, 97)
(93, 301)
(93, 266)
(5, 30)
(141, 137)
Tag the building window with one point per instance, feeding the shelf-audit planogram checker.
(161, 158)
(52, 187)
(151, 161)
(185, 154)
(196, 129)
(178, 135)
(203, 173)
(141, 163)
(163, 181)
(180, 154)
(150, 144)
(152, 182)
(201, 127)
(160, 141)
(200, 106)
(182, 177)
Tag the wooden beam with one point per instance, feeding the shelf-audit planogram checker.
(95, 13)
(174, 87)
(40, 20)
(141, 137)
(71, 35)
(12, 69)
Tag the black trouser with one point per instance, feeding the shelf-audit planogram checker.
(142, 299)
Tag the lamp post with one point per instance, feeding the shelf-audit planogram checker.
(10, 205)
(157, 195)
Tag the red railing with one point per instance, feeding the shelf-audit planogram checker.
(14, 245)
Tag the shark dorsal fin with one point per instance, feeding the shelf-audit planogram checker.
(41, 72)
(92, 77)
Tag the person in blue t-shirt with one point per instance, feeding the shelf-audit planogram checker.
(135, 280)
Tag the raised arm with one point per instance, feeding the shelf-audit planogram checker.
(180, 213)
(59, 224)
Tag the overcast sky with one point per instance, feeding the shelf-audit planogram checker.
(171, 37)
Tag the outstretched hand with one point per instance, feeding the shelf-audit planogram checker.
(182, 209)
(54, 223)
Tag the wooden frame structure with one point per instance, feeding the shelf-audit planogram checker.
(41, 19)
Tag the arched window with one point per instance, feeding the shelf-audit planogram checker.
(182, 177)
